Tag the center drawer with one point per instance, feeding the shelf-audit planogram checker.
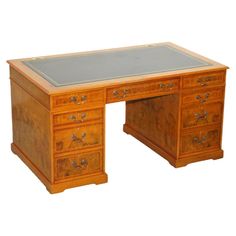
(70, 139)
(142, 90)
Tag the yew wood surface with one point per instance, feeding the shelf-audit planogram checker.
(156, 119)
(31, 129)
(79, 164)
(78, 137)
(165, 111)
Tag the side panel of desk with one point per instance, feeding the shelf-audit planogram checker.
(31, 126)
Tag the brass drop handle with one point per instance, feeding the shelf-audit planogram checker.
(198, 140)
(121, 93)
(125, 92)
(115, 93)
(83, 136)
(75, 99)
(201, 116)
(203, 98)
(83, 164)
(72, 117)
(75, 138)
(83, 116)
(162, 85)
(168, 85)
(203, 81)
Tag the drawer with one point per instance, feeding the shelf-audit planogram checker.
(201, 140)
(141, 90)
(78, 100)
(203, 80)
(203, 96)
(70, 139)
(78, 165)
(78, 117)
(194, 116)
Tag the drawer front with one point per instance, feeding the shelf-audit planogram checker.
(78, 165)
(78, 117)
(79, 100)
(139, 90)
(201, 140)
(194, 116)
(203, 96)
(203, 80)
(66, 140)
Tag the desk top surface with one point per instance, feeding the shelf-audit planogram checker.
(110, 67)
(112, 64)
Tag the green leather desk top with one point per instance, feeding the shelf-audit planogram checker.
(111, 64)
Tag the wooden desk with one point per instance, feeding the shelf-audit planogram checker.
(174, 105)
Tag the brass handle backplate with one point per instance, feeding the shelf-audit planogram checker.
(168, 85)
(120, 93)
(78, 101)
(75, 138)
(74, 117)
(203, 81)
(83, 116)
(201, 116)
(203, 98)
(199, 140)
(83, 164)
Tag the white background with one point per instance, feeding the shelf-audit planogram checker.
(144, 195)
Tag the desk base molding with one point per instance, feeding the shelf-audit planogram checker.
(214, 154)
(129, 130)
(98, 178)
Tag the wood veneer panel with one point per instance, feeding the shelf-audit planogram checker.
(156, 119)
(31, 129)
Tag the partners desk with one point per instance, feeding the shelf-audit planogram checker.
(174, 104)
